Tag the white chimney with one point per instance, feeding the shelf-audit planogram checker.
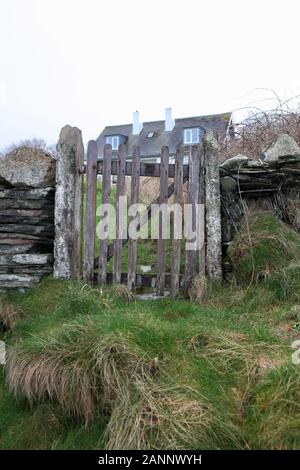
(136, 125)
(169, 122)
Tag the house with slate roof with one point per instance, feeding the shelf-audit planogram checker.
(151, 136)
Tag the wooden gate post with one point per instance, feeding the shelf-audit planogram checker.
(213, 208)
(68, 204)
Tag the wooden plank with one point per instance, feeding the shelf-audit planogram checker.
(175, 268)
(119, 222)
(135, 187)
(106, 182)
(146, 169)
(202, 267)
(90, 223)
(192, 201)
(162, 241)
(213, 208)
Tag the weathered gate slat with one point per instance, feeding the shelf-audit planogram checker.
(213, 208)
(162, 242)
(102, 274)
(135, 187)
(119, 222)
(175, 269)
(91, 188)
(192, 200)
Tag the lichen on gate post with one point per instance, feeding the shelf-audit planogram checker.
(213, 208)
(68, 204)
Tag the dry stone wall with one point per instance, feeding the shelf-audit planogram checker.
(27, 194)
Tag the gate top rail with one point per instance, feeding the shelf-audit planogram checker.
(146, 169)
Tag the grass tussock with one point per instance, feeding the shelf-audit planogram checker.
(149, 416)
(77, 369)
(86, 374)
(9, 315)
(198, 289)
(263, 247)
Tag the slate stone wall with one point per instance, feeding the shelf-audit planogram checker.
(27, 194)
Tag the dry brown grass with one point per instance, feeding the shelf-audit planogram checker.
(76, 370)
(198, 289)
(250, 360)
(149, 416)
(9, 315)
(121, 291)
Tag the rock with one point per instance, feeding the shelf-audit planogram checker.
(28, 167)
(283, 145)
(256, 164)
(235, 162)
(228, 184)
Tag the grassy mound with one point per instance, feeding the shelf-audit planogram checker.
(99, 355)
(95, 368)
(263, 248)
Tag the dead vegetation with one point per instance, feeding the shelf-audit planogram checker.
(9, 315)
(256, 133)
(150, 416)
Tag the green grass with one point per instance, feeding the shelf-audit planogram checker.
(94, 368)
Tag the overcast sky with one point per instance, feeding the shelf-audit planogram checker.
(91, 63)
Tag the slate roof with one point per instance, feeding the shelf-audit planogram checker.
(151, 147)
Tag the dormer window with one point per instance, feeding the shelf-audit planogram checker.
(114, 141)
(191, 136)
(150, 135)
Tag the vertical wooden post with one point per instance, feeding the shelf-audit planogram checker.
(162, 242)
(192, 201)
(118, 243)
(202, 226)
(175, 269)
(106, 182)
(135, 188)
(68, 204)
(213, 208)
(90, 220)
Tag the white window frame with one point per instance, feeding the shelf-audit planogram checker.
(188, 136)
(113, 140)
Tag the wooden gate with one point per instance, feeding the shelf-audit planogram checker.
(202, 177)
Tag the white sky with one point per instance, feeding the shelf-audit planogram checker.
(91, 63)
